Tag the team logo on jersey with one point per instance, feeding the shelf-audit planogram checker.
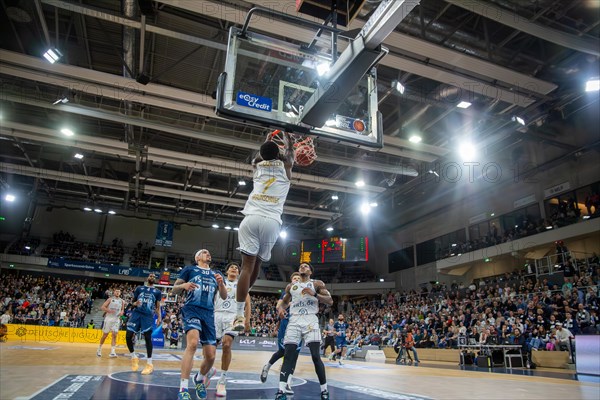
(295, 287)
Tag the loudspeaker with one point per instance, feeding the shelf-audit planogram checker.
(484, 362)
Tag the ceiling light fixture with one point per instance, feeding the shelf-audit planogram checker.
(360, 183)
(415, 139)
(463, 104)
(215, 226)
(52, 55)
(87, 209)
(97, 210)
(67, 132)
(593, 85)
(111, 212)
(78, 156)
(329, 228)
(10, 198)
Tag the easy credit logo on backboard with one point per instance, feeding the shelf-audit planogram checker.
(350, 124)
(254, 101)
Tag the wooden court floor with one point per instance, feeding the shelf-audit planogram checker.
(26, 368)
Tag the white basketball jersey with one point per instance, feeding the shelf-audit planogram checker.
(229, 304)
(303, 304)
(271, 186)
(115, 305)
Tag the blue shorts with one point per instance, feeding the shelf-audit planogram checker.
(202, 320)
(139, 322)
(281, 335)
(340, 342)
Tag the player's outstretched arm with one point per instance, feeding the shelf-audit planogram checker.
(322, 293)
(283, 304)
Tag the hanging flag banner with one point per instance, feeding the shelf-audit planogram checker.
(164, 234)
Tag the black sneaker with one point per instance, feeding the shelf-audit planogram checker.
(264, 374)
(281, 396)
(325, 395)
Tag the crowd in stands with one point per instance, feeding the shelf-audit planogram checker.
(23, 247)
(64, 245)
(271, 272)
(140, 255)
(45, 300)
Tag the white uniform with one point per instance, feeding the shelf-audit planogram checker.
(260, 228)
(304, 324)
(112, 322)
(225, 311)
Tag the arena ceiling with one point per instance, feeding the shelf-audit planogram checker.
(159, 149)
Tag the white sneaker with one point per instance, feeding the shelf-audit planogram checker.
(221, 391)
(340, 361)
(265, 373)
(112, 355)
(99, 353)
(288, 390)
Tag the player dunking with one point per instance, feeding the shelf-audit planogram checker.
(147, 301)
(114, 308)
(303, 298)
(201, 284)
(262, 216)
(224, 316)
(283, 323)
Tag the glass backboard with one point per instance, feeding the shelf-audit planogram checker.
(267, 82)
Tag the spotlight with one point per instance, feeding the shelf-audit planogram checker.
(52, 55)
(322, 68)
(78, 156)
(97, 210)
(283, 234)
(10, 198)
(241, 182)
(434, 173)
(215, 226)
(329, 228)
(111, 212)
(237, 228)
(360, 183)
(62, 100)
(334, 197)
(400, 88)
(87, 209)
(519, 120)
(593, 85)
(365, 208)
(467, 151)
(373, 204)
(67, 132)
(381, 280)
(27, 248)
(463, 104)
(415, 139)
(227, 227)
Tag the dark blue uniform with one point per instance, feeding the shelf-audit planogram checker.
(199, 308)
(340, 340)
(283, 326)
(142, 317)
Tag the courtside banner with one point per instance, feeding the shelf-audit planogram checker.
(105, 268)
(54, 334)
(254, 343)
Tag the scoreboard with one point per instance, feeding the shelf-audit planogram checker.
(334, 250)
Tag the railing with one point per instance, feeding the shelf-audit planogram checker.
(553, 263)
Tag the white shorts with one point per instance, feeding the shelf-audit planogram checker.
(111, 325)
(258, 235)
(223, 321)
(302, 327)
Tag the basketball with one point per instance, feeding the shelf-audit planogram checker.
(305, 155)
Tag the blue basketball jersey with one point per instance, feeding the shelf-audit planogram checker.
(204, 295)
(287, 311)
(341, 327)
(148, 297)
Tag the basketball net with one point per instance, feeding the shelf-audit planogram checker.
(304, 147)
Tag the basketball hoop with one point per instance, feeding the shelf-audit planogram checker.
(304, 147)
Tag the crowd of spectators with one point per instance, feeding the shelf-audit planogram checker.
(45, 300)
(64, 245)
(23, 247)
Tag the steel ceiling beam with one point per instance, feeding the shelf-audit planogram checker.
(515, 80)
(216, 165)
(150, 190)
(506, 17)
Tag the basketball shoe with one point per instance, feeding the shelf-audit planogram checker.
(202, 385)
(238, 323)
(221, 387)
(265, 373)
(148, 369)
(135, 364)
(184, 395)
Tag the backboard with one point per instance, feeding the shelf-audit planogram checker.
(267, 82)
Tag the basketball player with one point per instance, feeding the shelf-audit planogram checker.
(283, 323)
(146, 300)
(340, 339)
(201, 284)
(262, 215)
(224, 316)
(114, 307)
(303, 298)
